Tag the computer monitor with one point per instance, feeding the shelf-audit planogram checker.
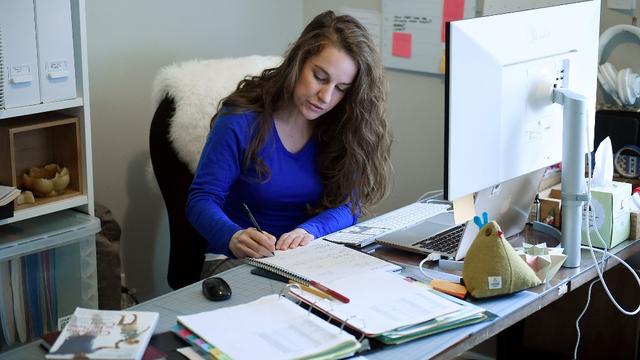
(504, 78)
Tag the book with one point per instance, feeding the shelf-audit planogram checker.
(17, 289)
(321, 260)
(105, 334)
(391, 308)
(6, 303)
(272, 327)
(8, 194)
(150, 353)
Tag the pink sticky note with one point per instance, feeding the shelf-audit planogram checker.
(451, 10)
(401, 44)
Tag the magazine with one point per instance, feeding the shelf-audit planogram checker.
(105, 334)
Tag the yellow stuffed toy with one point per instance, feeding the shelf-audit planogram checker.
(492, 267)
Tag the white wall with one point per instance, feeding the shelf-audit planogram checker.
(128, 42)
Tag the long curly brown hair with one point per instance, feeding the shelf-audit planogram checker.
(354, 138)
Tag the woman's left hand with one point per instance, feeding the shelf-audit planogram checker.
(293, 239)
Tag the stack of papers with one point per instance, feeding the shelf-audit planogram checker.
(391, 308)
(8, 194)
(271, 327)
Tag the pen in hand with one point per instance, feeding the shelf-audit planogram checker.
(253, 220)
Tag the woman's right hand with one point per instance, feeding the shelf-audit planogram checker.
(252, 243)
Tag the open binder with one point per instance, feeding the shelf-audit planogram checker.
(272, 327)
(392, 309)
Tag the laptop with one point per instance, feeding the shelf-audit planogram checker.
(508, 204)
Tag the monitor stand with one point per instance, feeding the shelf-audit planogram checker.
(574, 147)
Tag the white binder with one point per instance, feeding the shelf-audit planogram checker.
(55, 50)
(18, 55)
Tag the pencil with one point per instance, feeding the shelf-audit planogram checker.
(312, 290)
(253, 220)
(334, 294)
(250, 215)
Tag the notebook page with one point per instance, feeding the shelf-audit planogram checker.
(381, 302)
(324, 261)
(271, 327)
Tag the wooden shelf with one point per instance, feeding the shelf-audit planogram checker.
(40, 108)
(68, 201)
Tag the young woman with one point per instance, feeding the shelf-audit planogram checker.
(305, 145)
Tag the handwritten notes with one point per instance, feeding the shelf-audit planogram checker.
(413, 31)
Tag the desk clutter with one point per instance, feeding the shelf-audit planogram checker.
(382, 305)
(361, 296)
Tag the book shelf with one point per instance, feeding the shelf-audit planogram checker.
(65, 224)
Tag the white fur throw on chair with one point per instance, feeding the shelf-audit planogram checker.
(196, 87)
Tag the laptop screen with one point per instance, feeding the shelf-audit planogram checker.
(507, 203)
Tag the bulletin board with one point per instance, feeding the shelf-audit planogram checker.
(413, 32)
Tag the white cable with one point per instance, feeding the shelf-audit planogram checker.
(428, 195)
(605, 252)
(605, 256)
(575, 349)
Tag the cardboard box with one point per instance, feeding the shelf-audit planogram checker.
(610, 215)
(551, 207)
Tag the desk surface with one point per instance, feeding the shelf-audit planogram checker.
(510, 309)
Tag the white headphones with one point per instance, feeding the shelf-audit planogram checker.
(623, 85)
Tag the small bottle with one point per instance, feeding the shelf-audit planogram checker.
(534, 214)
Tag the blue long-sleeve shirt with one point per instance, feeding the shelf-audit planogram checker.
(220, 186)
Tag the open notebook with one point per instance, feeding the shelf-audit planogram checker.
(322, 261)
(271, 327)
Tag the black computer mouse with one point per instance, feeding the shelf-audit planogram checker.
(216, 289)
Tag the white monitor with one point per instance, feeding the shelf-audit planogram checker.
(500, 120)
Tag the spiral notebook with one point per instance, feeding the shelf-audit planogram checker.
(322, 261)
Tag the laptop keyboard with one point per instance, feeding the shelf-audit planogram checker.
(366, 232)
(445, 243)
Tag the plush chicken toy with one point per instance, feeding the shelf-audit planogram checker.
(492, 267)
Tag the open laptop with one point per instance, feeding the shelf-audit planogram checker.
(508, 204)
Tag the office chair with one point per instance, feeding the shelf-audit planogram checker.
(186, 96)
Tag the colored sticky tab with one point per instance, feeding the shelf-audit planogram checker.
(451, 10)
(450, 288)
(401, 44)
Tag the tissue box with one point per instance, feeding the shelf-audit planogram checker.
(609, 214)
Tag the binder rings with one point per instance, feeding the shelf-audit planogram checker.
(18, 55)
(391, 309)
(55, 50)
